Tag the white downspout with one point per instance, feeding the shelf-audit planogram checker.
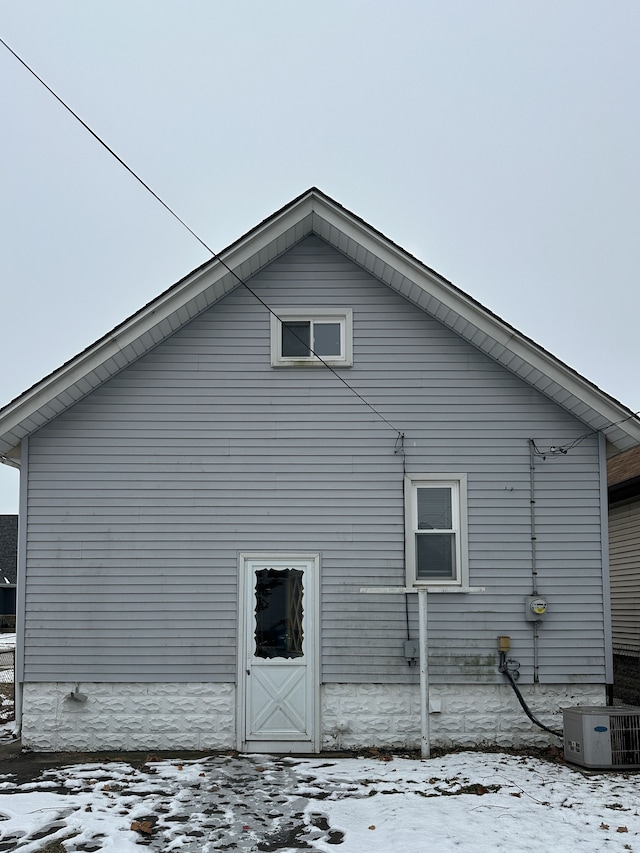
(17, 689)
(606, 569)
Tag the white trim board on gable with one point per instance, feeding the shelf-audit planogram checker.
(313, 212)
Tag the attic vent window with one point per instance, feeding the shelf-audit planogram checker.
(311, 337)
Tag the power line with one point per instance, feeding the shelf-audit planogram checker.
(563, 449)
(172, 212)
(110, 150)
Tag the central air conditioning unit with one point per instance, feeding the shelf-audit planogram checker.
(603, 737)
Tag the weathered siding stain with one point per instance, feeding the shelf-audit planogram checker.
(143, 494)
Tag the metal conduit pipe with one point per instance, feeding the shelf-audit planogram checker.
(534, 558)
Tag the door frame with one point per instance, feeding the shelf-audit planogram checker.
(312, 628)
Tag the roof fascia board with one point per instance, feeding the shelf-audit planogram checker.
(471, 311)
(315, 212)
(624, 491)
(159, 310)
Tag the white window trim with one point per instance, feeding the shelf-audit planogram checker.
(342, 315)
(459, 483)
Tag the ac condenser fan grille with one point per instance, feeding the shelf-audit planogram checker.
(625, 739)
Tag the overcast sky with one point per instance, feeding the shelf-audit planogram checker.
(497, 140)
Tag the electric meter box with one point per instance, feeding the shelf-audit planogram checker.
(535, 608)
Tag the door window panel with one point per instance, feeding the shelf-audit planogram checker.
(278, 613)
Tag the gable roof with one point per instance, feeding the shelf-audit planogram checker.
(313, 212)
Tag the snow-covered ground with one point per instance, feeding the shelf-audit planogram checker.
(466, 802)
(469, 802)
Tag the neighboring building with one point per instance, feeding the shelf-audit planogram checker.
(8, 570)
(624, 548)
(209, 509)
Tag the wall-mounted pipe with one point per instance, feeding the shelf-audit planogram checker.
(534, 555)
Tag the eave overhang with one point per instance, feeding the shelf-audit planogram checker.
(315, 213)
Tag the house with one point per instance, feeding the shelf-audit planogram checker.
(229, 502)
(624, 548)
(8, 571)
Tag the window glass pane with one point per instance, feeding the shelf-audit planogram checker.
(434, 509)
(279, 613)
(326, 338)
(296, 338)
(435, 556)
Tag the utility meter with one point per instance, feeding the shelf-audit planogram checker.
(535, 608)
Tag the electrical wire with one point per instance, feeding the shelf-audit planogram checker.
(505, 670)
(563, 449)
(624, 420)
(560, 449)
(553, 451)
(526, 709)
(399, 449)
(181, 221)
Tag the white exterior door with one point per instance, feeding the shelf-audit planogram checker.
(278, 677)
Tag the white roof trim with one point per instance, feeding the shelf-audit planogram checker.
(488, 332)
(313, 212)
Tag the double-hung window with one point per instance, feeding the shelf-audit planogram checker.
(436, 529)
(311, 337)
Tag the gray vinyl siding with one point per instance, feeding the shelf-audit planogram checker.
(624, 545)
(142, 496)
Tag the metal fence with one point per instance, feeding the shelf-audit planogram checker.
(7, 684)
(626, 678)
(7, 665)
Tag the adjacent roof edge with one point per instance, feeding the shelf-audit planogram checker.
(315, 211)
(623, 470)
